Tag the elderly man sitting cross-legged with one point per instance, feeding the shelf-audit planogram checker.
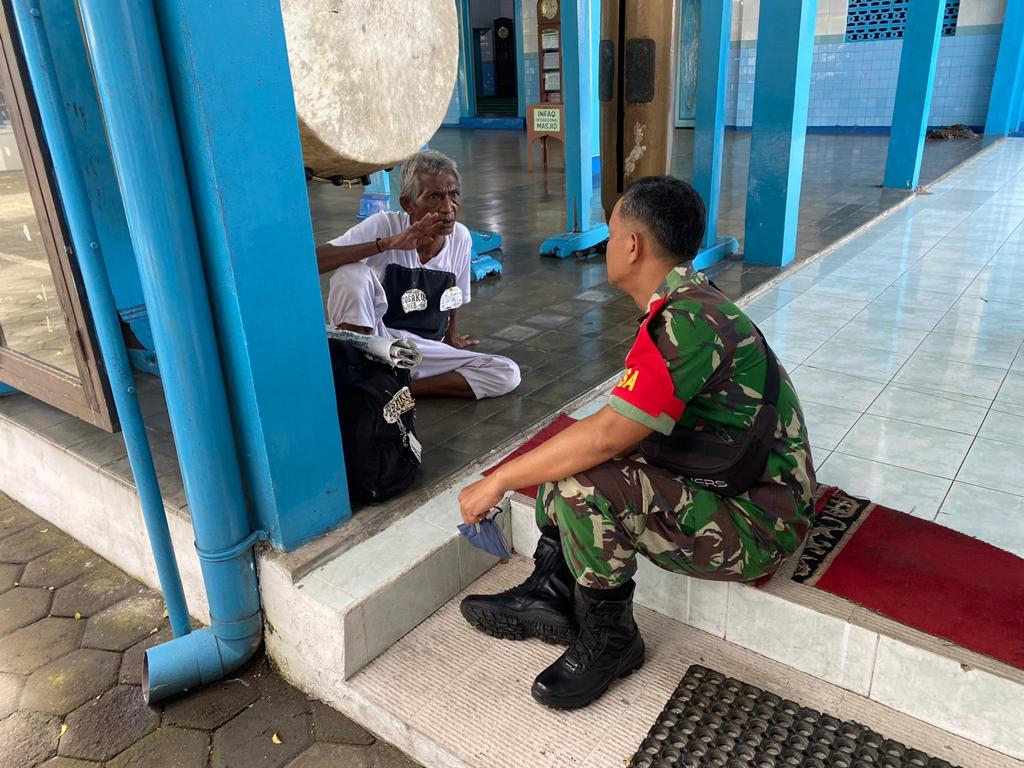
(403, 274)
(700, 380)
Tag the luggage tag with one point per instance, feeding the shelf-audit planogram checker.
(414, 300)
(414, 445)
(451, 299)
(402, 403)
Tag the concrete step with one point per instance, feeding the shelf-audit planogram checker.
(453, 697)
(326, 627)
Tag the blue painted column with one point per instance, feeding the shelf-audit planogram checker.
(82, 110)
(914, 93)
(6, 389)
(709, 124)
(235, 112)
(785, 42)
(517, 16)
(578, 101)
(467, 75)
(377, 196)
(1008, 82)
(595, 104)
(34, 24)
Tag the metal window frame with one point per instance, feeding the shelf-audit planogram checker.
(86, 395)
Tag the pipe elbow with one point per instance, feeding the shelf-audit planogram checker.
(195, 659)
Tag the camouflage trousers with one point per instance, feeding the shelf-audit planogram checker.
(607, 514)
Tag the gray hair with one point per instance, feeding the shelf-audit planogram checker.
(431, 162)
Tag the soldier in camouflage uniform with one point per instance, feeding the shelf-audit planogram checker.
(699, 363)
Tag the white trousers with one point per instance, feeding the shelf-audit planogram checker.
(356, 297)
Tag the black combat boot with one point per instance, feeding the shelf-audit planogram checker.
(539, 607)
(609, 646)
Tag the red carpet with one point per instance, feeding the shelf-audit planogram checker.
(919, 573)
(543, 436)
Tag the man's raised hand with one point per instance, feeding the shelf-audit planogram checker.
(420, 233)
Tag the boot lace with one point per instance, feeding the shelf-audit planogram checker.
(588, 643)
(540, 570)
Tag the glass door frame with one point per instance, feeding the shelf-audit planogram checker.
(86, 395)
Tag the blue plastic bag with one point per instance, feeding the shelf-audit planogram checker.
(487, 535)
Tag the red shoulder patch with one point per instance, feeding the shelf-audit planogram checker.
(646, 384)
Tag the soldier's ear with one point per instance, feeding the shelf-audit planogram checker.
(634, 246)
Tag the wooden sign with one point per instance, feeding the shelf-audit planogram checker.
(544, 122)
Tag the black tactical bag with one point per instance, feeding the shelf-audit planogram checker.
(724, 461)
(377, 417)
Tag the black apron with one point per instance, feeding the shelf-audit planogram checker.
(414, 300)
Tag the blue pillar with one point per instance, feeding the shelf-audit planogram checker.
(520, 57)
(709, 126)
(578, 100)
(6, 389)
(235, 112)
(785, 42)
(377, 196)
(595, 104)
(82, 110)
(1008, 81)
(914, 93)
(34, 23)
(467, 74)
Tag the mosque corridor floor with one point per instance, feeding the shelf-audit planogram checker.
(560, 320)
(905, 347)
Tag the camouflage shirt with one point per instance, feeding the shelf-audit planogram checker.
(702, 364)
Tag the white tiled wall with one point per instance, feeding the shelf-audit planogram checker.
(854, 84)
(832, 16)
(979, 12)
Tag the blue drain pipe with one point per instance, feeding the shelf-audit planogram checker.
(131, 80)
(101, 303)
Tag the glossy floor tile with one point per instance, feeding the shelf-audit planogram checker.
(932, 408)
(918, 401)
(985, 514)
(917, 493)
(995, 465)
(908, 445)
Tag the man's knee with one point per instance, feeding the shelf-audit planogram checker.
(509, 375)
(351, 277)
(351, 296)
(491, 375)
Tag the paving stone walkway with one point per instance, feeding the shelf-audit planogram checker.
(73, 629)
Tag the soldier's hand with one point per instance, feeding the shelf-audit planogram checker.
(477, 499)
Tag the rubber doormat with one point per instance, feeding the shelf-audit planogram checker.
(714, 721)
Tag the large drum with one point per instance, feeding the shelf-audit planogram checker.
(636, 90)
(372, 79)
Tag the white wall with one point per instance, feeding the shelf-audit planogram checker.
(832, 16)
(978, 12)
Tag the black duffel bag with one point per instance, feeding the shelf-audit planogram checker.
(377, 414)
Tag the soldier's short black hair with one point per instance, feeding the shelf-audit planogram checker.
(671, 210)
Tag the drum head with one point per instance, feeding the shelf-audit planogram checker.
(372, 79)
